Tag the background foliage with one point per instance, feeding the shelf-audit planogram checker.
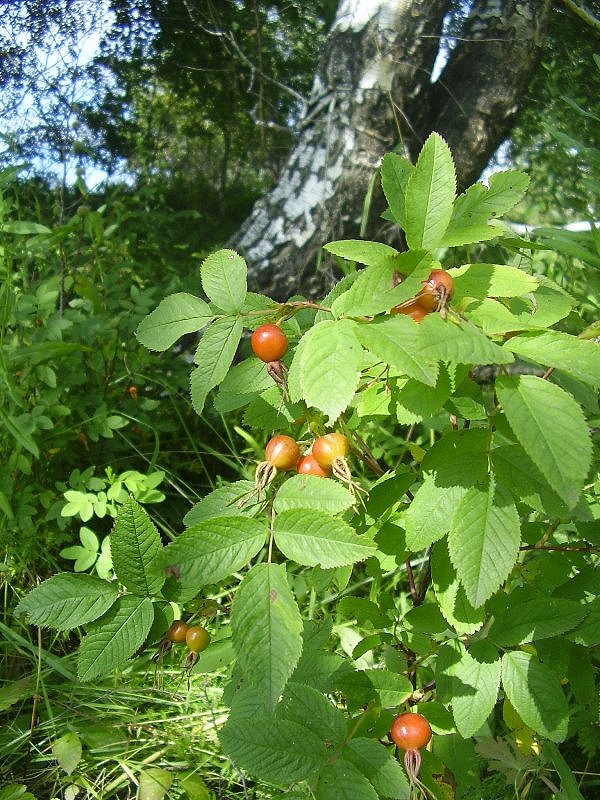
(90, 417)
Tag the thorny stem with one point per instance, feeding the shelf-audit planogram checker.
(411, 582)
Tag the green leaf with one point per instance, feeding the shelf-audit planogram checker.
(450, 593)
(394, 341)
(484, 540)
(307, 706)
(395, 172)
(378, 766)
(214, 355)
(461, 342)
(429, 516)
(154, 783)
(224, 502)
(568, 782)
(342, 781)
(224, 280)
(175, 316)
(551, 428)
(15, 692)
(576, 357)
(211, 550)
(528, 620)
(478, 204)
(370, 253)
(21, 437)
(519, 474)
(430, 194)
(309, 491)
(134, 545)
(391, 688)
(491, 280)
(276, 750)
(15, 791)
(476, 682)
(535, 692)
(413, 402)
(65, 601)
(115, 637)
(373, 291)
(266, 630)
(270, 412)
(331, 359)
(314, 538)
(67, 751)
(241, 384)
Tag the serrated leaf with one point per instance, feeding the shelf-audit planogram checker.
(362, 251)
(478, 204)
(214, 355)
(114, 637)
(483, 280)
(276, 750)
(532, 619)
(413, 402)
(175, 316)
(241, 384)
(450, 593)
(224, 280)
(484, 540)
(211, 550)
(391, 688)
(309, 491)
(65, 601)
(224, 502)
(330, 366)
(67, 751)
(395, 341)
(378, 766)
(430, 195)
(548, 305)
(395, 172)
(266, 630)
(461, 342)
(373, 291)
(270, 412)
(307, 706)
(519, 474)
(576, 357)
(430, 514)
(342, 781)
(535, 692)
(134, 545)
(476, 683)
(551, 428)
(314, 538)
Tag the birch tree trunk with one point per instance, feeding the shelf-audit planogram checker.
(372, 91)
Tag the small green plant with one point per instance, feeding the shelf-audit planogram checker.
(478, 545)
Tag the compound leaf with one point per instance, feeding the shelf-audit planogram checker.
(214, 355)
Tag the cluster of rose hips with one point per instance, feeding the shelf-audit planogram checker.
(411, 732)
(196, 637)
(327, 458)
(437, 290)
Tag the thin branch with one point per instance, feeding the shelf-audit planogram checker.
(588, 18)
